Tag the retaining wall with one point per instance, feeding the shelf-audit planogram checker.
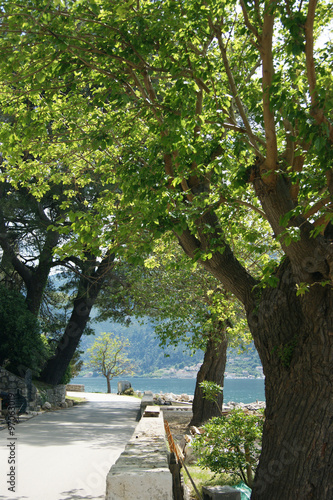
(142, 470)
(34, 397)
(11, 383)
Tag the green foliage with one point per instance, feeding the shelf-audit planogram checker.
(67, 377)
(73, 368)
(139, 95)
(185, 304)
(21, 344)
(211, 391)
(129, 391)
(231, 444)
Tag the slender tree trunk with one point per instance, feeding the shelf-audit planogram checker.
(249, 473)
(212, 369)
(294, 338)
(109, 384)
(56, 366)
(89, 289)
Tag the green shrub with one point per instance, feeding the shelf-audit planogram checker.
(231, 444)
(129, 391)
(21, 344)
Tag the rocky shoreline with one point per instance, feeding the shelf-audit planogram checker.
(169, 399)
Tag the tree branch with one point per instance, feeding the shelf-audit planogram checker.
(316, 111)
(19, 267)
(223, 265)
(267, 78)
(250, 26)
(234, 90)
(317, 206)
(7, 248)
(242, 130)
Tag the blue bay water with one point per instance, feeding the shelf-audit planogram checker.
(237, 390)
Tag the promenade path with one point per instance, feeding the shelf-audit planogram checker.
(66, 454)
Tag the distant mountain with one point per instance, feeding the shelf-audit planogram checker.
(152, 360)
(144, 347)
(243, 364)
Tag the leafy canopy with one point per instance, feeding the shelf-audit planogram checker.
(184, 106)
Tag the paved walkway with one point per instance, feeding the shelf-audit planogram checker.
(66, 454)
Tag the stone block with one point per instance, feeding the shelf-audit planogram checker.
(123, 385)
(220, 493)
(151, 411)
(155, 485)
(147, 400)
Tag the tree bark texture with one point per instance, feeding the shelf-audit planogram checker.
(294, 338)
(212, 370)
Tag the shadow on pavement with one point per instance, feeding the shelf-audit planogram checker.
(12, 498)
(75, 495)
(88, 423)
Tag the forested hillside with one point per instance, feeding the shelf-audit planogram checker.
(151, 359)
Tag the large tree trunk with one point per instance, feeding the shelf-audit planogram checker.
(88, 291)
(212, 370)
(293, 336)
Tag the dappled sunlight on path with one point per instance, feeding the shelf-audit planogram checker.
(66, 454)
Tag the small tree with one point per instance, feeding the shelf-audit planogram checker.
(231, 443)
(108, 357)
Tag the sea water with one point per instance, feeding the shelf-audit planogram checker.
(237, 390)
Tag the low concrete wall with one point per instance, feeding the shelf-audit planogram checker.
(142, 470)
(75, 387)
(147, 400)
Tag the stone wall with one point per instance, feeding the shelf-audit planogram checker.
(12, 383)
(56, 395)
(34, 397)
